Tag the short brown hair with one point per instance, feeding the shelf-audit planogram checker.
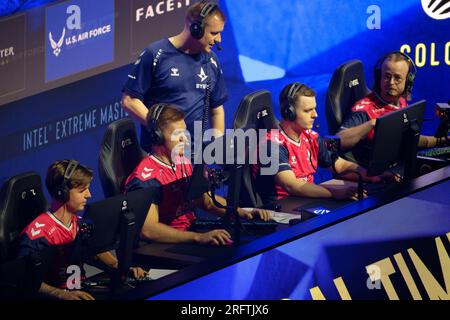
(193, 12)
(54, 179)
(303, 90)
(169, 114)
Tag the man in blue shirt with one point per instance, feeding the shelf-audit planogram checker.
(181, 70)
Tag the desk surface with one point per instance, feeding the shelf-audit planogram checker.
(235, 254)
(182, 255)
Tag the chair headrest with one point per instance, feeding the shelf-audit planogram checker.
(347, 86)
(255, 111)
(120, 153)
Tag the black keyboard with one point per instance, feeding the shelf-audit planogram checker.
(248, 224)
(442, 152)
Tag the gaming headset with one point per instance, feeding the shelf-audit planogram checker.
(197, 27)
(288, 106)
(412, 70)
(156, 135)
(61, 192)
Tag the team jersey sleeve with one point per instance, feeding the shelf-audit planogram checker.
(355, 119)
(137, 184)
(274, 152)
(219, 93)
(140, 77)
(325, 158)
(28, 246)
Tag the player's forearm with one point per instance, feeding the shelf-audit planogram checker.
(342, 166)
(218, 120)
(108, 259)
(135, 108)
(50, 291)
(208, 205)
(307, 189)
(160, 232)
(351, 136)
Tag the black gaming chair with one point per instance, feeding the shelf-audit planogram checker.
(120, 153)
(21, 201)
(254, 112)
(347, 86)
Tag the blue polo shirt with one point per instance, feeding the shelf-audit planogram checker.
(162, 73)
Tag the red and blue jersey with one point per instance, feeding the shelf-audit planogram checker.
(301, 157)
(45, 231)
(173, 181)
(370, 107)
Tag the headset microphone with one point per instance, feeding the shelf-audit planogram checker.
(219, 47)
(316, 126)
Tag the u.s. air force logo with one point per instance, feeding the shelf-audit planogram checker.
(74, 27)
(437, 9)
(56, 46)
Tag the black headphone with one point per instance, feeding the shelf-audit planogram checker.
(412, 70)
(197, 27)
(288, 104)
(156, 135)
(61, 192)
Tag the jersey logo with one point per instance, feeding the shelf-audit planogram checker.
(202, 75)
(214, 62)
(358, 107)
(39, 225)
(174, 72)
(293, 160)
(146, 175)
(34, 232)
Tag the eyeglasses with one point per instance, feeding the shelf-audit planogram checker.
(397, 79)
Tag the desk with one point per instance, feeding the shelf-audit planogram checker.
(177, 256)
(408, 226)
(421, 187)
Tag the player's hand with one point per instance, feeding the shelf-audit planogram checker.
(344, 193)
(74, 295)
(250, 213)
(138, 273)
(386, 177)
(218, 237)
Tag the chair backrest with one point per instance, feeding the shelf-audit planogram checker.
(254, 112)
(347, 85)
(120, 153)
(21, 201)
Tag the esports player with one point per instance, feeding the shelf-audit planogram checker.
(299, 151)
(68, 184)
(181, 70)
(170, 218)
(394, 76)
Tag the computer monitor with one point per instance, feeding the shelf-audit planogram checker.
(395, 140)
(117, 222)
(105, 215)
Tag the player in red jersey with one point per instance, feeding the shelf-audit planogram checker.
(394, 76)
(170, 219)
(68, 183)
(299, 151)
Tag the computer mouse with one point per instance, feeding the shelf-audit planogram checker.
(229, 243)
